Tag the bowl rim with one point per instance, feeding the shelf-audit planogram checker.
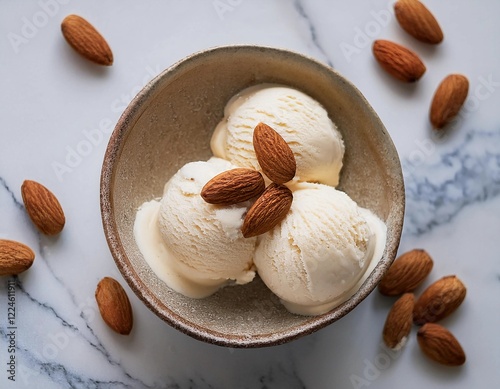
(112, 154)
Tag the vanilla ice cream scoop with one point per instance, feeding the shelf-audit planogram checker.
(301, 121)
(194, 246)
(320, 253)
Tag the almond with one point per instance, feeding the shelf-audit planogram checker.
(86, 40)
(406, 273)
(399, 321)
(268, 211)
(15, 257)
(418, 21)
(274, 155)
(439, 300)
(449, 97)
(440, 345)
(43, 208)
(114, 305)
(233, 186)
(398, 61)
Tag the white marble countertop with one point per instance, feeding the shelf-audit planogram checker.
(57, 114)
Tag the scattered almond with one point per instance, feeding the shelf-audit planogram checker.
(440, 345)
(449, 97)
(399, 321)
(274, 155)
(418, 21)
(268, 210)
(86, 40)
(15, 257)
(398, 61)
(439, 300)
(43, 208)
(406, 273)
(233, 186)
(114, 305)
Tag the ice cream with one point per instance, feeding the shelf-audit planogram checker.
(318, 255)
(313, 260)
(195, 247)
(299, 119)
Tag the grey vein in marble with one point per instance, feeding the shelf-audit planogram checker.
(58, 372)
(284, 379)
(97, 345)
(44, 306)
(312, 29)
(436, 192)
(4, 185)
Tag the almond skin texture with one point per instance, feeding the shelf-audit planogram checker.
(418, 21)
(398, 61)
(43, 208)
(399, 321)
(15, 257)
(439, 300)
(440, 345)
(274, 155)
(268, 211)
(86, 40)
(448, 99)
(233, 186)
(406, 273)
(114, 305)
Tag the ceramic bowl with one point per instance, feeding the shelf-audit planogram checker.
(170, 122)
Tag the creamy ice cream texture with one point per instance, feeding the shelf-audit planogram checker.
(320, 251)
(196, 247)
(301, 121)
(319, 254)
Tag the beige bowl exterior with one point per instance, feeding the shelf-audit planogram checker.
(170, 123)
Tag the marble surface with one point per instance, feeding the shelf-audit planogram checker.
(58, 112)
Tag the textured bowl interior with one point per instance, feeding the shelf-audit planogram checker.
(170, 123)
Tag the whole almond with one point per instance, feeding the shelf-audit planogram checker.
(439, 300)
(43, 208)
(274, 155)
(398, 61)
(114, 305)
(86, 40)
(399, 321)
(15, 257)
(440, 345)
(406, 273)
(233, 186)
(448, 99)
(268, 211)
(418, 21)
